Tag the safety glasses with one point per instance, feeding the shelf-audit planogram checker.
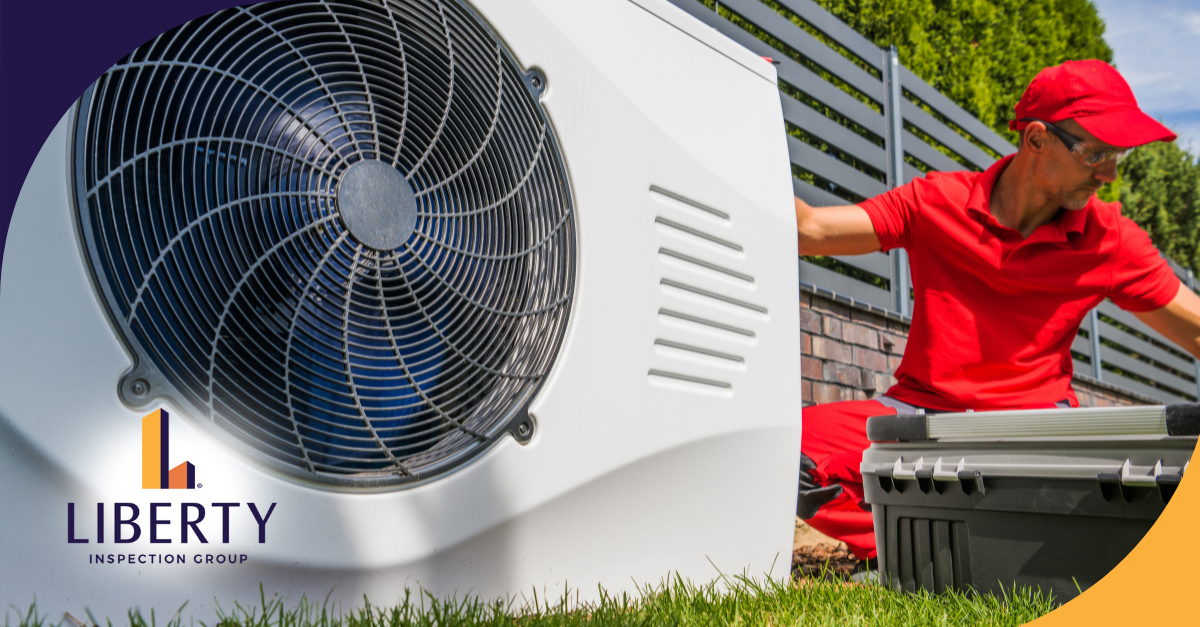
(1091, 157)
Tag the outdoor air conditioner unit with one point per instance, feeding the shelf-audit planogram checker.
(357, 295)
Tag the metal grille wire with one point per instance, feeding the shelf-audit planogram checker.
(207, 166)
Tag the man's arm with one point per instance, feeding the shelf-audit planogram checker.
(844, 230)
(1179, 321)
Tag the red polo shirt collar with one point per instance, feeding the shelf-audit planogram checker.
(979, 204)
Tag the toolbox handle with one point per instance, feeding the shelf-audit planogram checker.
(898, 428)
(1183, 419)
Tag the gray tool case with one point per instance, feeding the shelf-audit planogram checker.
(1050, 499)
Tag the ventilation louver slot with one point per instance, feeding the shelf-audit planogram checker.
(340, 233)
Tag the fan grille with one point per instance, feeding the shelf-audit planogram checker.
(208, 164)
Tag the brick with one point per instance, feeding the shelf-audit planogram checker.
(869, 359)
(805, 300)
(830, 349)
(895, 326)
(869, 319)
(858, 334)
(860, 395)
(824, 305)
(883, 382)
(805, 344)
(826, 393)
(893, 363)
(893, 343)
(810, 368)
(832, 327)
(843, 374)
(810, 321)
(805, 392)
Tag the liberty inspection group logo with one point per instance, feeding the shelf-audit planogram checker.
(156, 447)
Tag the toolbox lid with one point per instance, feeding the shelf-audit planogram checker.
(1166, 420)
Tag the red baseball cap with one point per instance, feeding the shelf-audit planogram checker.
(1093, 94)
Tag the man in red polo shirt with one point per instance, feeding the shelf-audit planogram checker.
(1005, 265)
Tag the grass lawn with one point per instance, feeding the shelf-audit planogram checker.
(741, 601)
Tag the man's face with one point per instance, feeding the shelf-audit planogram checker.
(1067, 178)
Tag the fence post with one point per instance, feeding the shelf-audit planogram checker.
(1094, 336)
(895, 170)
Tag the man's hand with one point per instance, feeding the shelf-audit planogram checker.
(1179, 321)
(844, 230)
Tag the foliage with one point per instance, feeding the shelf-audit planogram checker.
(736, 601)
(979, 53)
(1159, 189)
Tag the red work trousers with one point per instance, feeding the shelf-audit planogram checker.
(835, 436)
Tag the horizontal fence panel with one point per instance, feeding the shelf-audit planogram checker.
(833, 170)
(816, 196)
(1162, 396)
(846, 140)
(879, 264)
(911, 174)
(836, 30)
(1124, 317)
(827, 93)
(1143, 347)
(944, 134)
(917, 147)
(954, 113)
(799, 40)
(1082, 368)
(844, 285)
(1083, 346)
(1120, 360)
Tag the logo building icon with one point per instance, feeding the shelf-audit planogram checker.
(155, 448)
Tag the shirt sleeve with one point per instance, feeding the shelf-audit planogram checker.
(893, 214)
(1141, 278)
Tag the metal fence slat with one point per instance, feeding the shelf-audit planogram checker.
(1111, 356)
(1163, 396)
(1142, 347)
(833, 170)
(798, 39)
(918, 148)
(955, 113)
(1083, 346)
(842, 284)
(827, 93)
(878, 264)
(816, 196)
(835, 29)
(837, 135)
(1110, 309)
(911, 173)
(945, 135)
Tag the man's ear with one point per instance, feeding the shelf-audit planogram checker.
(1034, 137)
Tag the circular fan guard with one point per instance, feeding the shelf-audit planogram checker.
(207, 170)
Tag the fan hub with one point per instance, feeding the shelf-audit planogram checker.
(377, 205)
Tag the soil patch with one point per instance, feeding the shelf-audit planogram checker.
(832, 561)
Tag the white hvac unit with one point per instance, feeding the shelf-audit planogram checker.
(355, 296)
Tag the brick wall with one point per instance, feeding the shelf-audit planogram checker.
(849, 351)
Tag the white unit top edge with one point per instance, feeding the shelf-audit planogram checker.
(709, 36)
